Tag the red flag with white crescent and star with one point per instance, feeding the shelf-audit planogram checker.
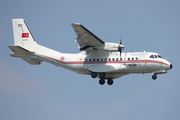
(25, 35)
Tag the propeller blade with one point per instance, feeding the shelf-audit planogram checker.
(119, 48)
(120, 52)
(121, 41)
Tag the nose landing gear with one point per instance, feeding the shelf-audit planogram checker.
(154, 77)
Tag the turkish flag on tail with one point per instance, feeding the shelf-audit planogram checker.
(25, 35)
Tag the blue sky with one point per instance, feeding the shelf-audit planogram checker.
(48, 92)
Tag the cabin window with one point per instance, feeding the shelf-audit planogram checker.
(136, 58)
(86, 59)
(117, 59)
(89, 59)
(94, 59)
(132, 58)
(113, 59)
(109, 59)
(98, 59)
(101, 59)
(105, 59)
(128, 58)
(121, 59)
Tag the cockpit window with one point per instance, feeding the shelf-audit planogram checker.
(159, 56)
(155, 56)
(152, 56)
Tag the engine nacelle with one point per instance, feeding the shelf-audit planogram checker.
(111, 47)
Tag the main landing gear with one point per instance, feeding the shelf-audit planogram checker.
(93, 75)
(109, 82)
(102, 80)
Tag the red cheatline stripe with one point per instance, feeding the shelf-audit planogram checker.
(102, 62)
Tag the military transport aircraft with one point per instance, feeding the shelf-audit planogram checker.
(99, 59)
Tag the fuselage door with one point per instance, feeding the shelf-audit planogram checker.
(142, 61)
(81, 60)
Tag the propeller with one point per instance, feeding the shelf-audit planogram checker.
(120, 47)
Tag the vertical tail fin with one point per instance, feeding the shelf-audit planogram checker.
(23, 36)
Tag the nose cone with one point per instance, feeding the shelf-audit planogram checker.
(171, 66)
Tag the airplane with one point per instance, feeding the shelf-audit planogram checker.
(99, 59)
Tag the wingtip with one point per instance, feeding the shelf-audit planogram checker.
(76, 24)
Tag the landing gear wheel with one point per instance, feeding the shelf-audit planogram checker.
(110, 81)
(102, 75)
(93, 75)
(101, 81)
(154, 77)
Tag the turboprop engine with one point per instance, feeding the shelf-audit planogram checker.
(110, 47)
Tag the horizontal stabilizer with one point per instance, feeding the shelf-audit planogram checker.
(18, 49)
(25, 54)
(32, 61)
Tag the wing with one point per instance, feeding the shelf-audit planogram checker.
(86, 39)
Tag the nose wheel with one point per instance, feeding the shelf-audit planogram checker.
(154, 77)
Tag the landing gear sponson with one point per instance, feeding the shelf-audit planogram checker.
(102, 78)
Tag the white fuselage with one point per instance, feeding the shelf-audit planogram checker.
(108, 62)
